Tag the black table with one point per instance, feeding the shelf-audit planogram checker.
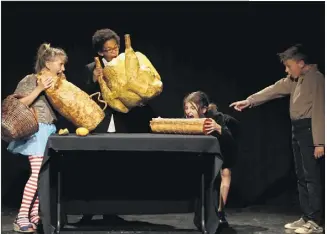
(204, 146)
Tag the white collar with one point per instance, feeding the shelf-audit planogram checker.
(105, 62)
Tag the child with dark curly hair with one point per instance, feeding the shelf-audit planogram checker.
(106, 44)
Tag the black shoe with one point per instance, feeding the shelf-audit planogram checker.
(222, 219)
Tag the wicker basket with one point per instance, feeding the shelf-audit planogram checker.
(17, 120)
(178, 126)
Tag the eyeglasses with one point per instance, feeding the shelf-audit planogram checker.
(110, 50)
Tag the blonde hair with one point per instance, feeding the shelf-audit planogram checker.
(47, 53)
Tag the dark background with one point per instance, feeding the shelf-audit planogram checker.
(227, 50)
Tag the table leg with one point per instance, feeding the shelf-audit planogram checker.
(203, 223)
(59, 195)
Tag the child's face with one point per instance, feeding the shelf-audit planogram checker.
(294, 68)
(57, 65)
(110, 50)
(191, 110)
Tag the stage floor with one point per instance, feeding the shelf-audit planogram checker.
(251, 220)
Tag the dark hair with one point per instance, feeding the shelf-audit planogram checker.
(296, 52)
(101, 36)
(201, 99)
(47, 53)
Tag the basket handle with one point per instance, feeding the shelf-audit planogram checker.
(32, 109)
(99, 95)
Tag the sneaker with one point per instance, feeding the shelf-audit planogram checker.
(222, 219)
(295, 225)
(310, 227)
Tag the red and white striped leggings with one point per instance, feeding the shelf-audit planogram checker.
(29, 193)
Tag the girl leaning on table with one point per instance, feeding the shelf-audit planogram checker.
(225, 128)
(50, 60)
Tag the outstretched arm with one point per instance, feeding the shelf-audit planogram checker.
(280, 89)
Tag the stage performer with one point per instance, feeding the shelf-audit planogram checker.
(106, 44)
(305, 85)
(197, 105)
(53, 61)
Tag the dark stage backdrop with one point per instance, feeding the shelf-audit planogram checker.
(227, 50)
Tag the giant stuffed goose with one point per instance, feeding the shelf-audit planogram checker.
(129, 80)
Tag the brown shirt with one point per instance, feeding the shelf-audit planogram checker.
(42, 107)
(307, 99)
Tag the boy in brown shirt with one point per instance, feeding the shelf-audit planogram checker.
(306, 87)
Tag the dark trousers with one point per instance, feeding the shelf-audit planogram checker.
(307, 170)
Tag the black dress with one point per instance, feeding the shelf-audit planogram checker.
(227, 138)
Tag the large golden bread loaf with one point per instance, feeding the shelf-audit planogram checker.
(129, 80)
(73, 103)
(178, 125)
